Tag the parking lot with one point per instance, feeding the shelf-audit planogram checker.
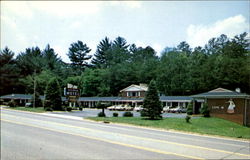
(87, 112)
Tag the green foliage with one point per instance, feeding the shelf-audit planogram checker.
(69, 109)
(101, 114)
(53, 95)
(115, 114)
(117, 64)
(151, 105)
(190, 108)
(38, 101)
(187, 118)
(100, 59)
(205, 110)
(9, 72)
(78, 55)
(128, 114)
(12, 103)
(48, 109)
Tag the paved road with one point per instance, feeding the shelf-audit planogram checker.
(37, 136)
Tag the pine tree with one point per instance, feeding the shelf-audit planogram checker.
(151, 105)
(205, 110)
(190, 108)
(100, 58)
(53, 95)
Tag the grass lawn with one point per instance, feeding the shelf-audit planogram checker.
(30, 109)
(211, 126)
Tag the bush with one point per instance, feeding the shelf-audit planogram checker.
(187, 118)
(80, 108)
(115, 114)
(101, 114)
(205, 110)
(12, 104)
(69, 109)
(48, 109)
(128, 114)
(190, 108)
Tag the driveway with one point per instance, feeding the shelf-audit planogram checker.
(93, 113)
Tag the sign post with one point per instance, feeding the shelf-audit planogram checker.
(72, 94)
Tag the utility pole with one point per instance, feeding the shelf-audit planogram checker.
(34, 102)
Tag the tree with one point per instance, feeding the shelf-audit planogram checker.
(205, 110)
(100, 57)
(53, 95)
(151, 105)
(9, 72)
(190, 108)
(51, 59)
(30, 61)
(78, 55)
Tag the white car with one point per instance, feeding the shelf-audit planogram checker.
(128, 108)
(138, 108)
(111, 108)
(166, 109)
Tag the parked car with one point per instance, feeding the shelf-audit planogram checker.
(128, 108)
(28, 104)
(138, 108)
(175, 110)
(166, 109)
(119, 108)
(178, 110)
(111, 108)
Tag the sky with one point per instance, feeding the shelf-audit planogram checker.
(158, 24)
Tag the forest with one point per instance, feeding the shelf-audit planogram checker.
(182, 70)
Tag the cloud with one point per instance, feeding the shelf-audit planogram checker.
(128, 4)
(62, 52)
(199, 35)
(75, 25)
(67, 8)
(11, 33)
(158, 48)
(16, 8)
(56, 8)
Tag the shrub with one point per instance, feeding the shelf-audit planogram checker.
(48, 109)
(69, 109)
(190, 108)
(205, 110)
(12, 103)
(128, 114)
(101, 114)
(187, 118)
(80, 108)
(115, 114)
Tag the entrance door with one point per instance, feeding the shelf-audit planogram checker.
(197, 106)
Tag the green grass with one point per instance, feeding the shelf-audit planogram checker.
(211, 126)
(29, 109)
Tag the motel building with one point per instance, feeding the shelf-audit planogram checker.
(230, 105)
(133, 95)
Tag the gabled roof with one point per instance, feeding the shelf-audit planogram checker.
(134, 87)
(221, 93)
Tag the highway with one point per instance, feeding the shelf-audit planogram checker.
(37, 136)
